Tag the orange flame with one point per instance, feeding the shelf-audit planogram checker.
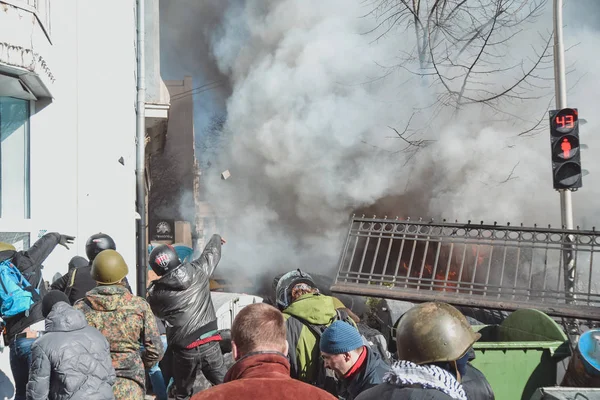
(447, 276)
(440, 276)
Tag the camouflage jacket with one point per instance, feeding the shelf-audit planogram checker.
(129, 326)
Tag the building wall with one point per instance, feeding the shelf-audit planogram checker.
(172, 170)
(155, 88)
(77, 184)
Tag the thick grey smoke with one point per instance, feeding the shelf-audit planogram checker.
(307, 137)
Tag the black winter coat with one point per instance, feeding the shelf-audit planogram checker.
(473, 382)
(408, 381)
(476, 385)
(181, 297)
(369, 375)
(388, 391)
(30, 264)
(82, 283)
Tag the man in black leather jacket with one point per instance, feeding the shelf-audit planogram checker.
(181, 298)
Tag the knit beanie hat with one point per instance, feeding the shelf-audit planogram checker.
(340, 337)
(50, 299)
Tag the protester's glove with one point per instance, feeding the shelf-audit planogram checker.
(66, 239)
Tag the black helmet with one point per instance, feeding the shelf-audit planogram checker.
(163, 258)
(97, 243)
(283, 291)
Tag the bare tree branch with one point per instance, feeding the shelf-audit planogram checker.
(471, 55)
(535, 129)
(510, 176)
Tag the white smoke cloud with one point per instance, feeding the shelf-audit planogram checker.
(298, 117)
(307, 134)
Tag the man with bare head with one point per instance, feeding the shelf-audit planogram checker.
(262, 370)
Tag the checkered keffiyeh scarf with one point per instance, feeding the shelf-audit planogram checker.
(406, 373)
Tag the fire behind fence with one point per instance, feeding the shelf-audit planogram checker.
(499, 267)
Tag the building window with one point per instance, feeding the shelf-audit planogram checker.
(14, 158)
(41, 9)
(18, 239)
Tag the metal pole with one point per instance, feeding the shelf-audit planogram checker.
(566, 206)
(140, 170)
(559, 57)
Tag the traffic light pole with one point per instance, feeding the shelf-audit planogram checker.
(560, 81)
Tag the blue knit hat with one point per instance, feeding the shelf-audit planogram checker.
(340, 337)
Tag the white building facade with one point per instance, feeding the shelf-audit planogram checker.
(68, 124)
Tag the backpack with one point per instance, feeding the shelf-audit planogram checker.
(17, 295)
(375, 340)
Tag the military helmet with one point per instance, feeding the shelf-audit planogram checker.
(97, 243)
(283, 291)
(109, 268)
(163, 258)
(7, 247)
(434, 332)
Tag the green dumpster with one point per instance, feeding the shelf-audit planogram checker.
(521, 354)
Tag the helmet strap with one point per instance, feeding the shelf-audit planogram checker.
(457, 372)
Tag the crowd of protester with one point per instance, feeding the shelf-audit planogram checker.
(87, 336)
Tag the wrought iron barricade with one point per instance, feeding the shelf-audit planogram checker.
(490, 266)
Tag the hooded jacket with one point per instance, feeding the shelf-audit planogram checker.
(368, 375)
(262, 375)
(409, 381)
(181, 297)
(71, 361)
(30, 264)
(316, 309)
(126, 321)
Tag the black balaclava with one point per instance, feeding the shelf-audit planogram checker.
(50, 299)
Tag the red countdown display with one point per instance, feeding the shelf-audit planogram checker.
(565, 120)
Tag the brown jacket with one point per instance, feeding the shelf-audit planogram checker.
(262, 375)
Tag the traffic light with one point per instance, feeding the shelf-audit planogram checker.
(564, 142)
